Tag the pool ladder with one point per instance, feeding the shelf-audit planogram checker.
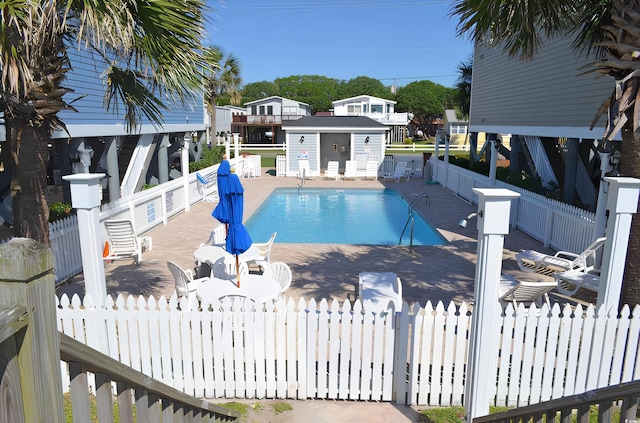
(411, 220)
(301, 184)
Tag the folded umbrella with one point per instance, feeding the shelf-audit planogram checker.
(238, 239)
(221, 212)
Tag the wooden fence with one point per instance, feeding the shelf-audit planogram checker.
(303, 350)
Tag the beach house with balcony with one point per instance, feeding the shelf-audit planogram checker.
(98, 141)
(262, 122)
(378, 109)
(548, 105)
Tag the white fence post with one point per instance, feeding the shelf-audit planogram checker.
(622, 203)
(493, 223)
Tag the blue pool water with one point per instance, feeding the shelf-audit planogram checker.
(330, 216)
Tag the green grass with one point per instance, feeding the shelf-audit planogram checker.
(456, 414)
(238, 407)
(281, 407)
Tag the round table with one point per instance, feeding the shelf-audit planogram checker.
(259, 288)
(211, 253)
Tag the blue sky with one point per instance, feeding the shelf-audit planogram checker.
(342, 39)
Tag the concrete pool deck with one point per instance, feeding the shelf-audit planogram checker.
(428, 273)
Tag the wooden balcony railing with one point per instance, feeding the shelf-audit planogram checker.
(154, 401)
(264, 119)
(563, 408)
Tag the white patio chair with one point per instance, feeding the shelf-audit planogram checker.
(205, 182)
(237, 302)
(516, 291)
(535, 261)
(225, 268)
(570, 282)
(372, 170)
(304, 170)
(217, 237)
(185, 284)
(281, 273)
(265, 252)
(332, 170)
(350, 170)
(398, 173)
(123, 241)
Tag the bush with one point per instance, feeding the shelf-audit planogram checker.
(209, 158)
(59, 210)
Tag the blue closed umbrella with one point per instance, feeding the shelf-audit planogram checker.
(221, 212)
(238, 239)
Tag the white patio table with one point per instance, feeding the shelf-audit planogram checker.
(259, 288)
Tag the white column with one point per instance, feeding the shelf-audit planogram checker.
(494, 164)
(163, 160)
(236, 145)
(621, 205)
(494, 207)
(446, 161)
(113, 170)
(85, 198)
(227, 147)
(601, 205)
(184, 165)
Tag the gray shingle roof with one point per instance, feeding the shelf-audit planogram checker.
(333, 122)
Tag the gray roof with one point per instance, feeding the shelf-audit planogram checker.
(333, 122)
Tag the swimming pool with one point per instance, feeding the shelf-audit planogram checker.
(344, 216)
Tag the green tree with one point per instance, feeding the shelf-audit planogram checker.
(148, 50)
(259, 90)
(222, 82)
(426, 100)
(463, 86)
(315, 90)
(607, 27)
(363, 85)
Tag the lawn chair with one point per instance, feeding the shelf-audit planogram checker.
(186, 285)
(304, 170)
(372, 170)
(281, 273)
(398, 173)
(350, 170)
(262, 261)
(123, 241)
(524, 291)
(205, 184)
(545, 264)
(332, 170)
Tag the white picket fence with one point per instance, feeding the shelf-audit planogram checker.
(557, 225)
(333, 351)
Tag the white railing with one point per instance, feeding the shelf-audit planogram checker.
(425, 148)
(145, 209)
(332, 351)
(557, 225)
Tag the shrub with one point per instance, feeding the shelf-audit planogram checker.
(59, 210)
(209, 158)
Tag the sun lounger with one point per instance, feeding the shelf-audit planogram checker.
(516, 291)
(535, 261)
(570, 282)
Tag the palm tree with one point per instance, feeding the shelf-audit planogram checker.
(608, 27)
(463, 85)
(149, 51)
(222, 80)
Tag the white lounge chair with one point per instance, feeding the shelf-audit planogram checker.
(524, 291)
(207, 186)
(350, 170)
(376, 290)
(372, 170)
(398, 173)
(304, 170)
(546, 264)
(332, 171)
(185, 284)
(281, 273)
(570, 282)
(123, 241)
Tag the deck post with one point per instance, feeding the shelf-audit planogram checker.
(85, 198)
(28, 283)
(622, 203)
(494, 209)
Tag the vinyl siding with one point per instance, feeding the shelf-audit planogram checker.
(546, 92)
(89, 91)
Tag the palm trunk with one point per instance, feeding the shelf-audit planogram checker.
(631, 167)
(212, 120)
(29, 181)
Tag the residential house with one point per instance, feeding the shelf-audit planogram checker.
(378, 109)
(98, 141)
(224, 118)
(320, 139)
(548, 105)
(455, 127)
(263, 120)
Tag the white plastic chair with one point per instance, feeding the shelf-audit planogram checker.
(350, 169)
(372, 170)
(225, 268)
(265, 252)
(281, 273)
(546, 264)
(398, 173)
(185, 284)
(516, 291)
(304, 170)
(332, 170)
(123, 241)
